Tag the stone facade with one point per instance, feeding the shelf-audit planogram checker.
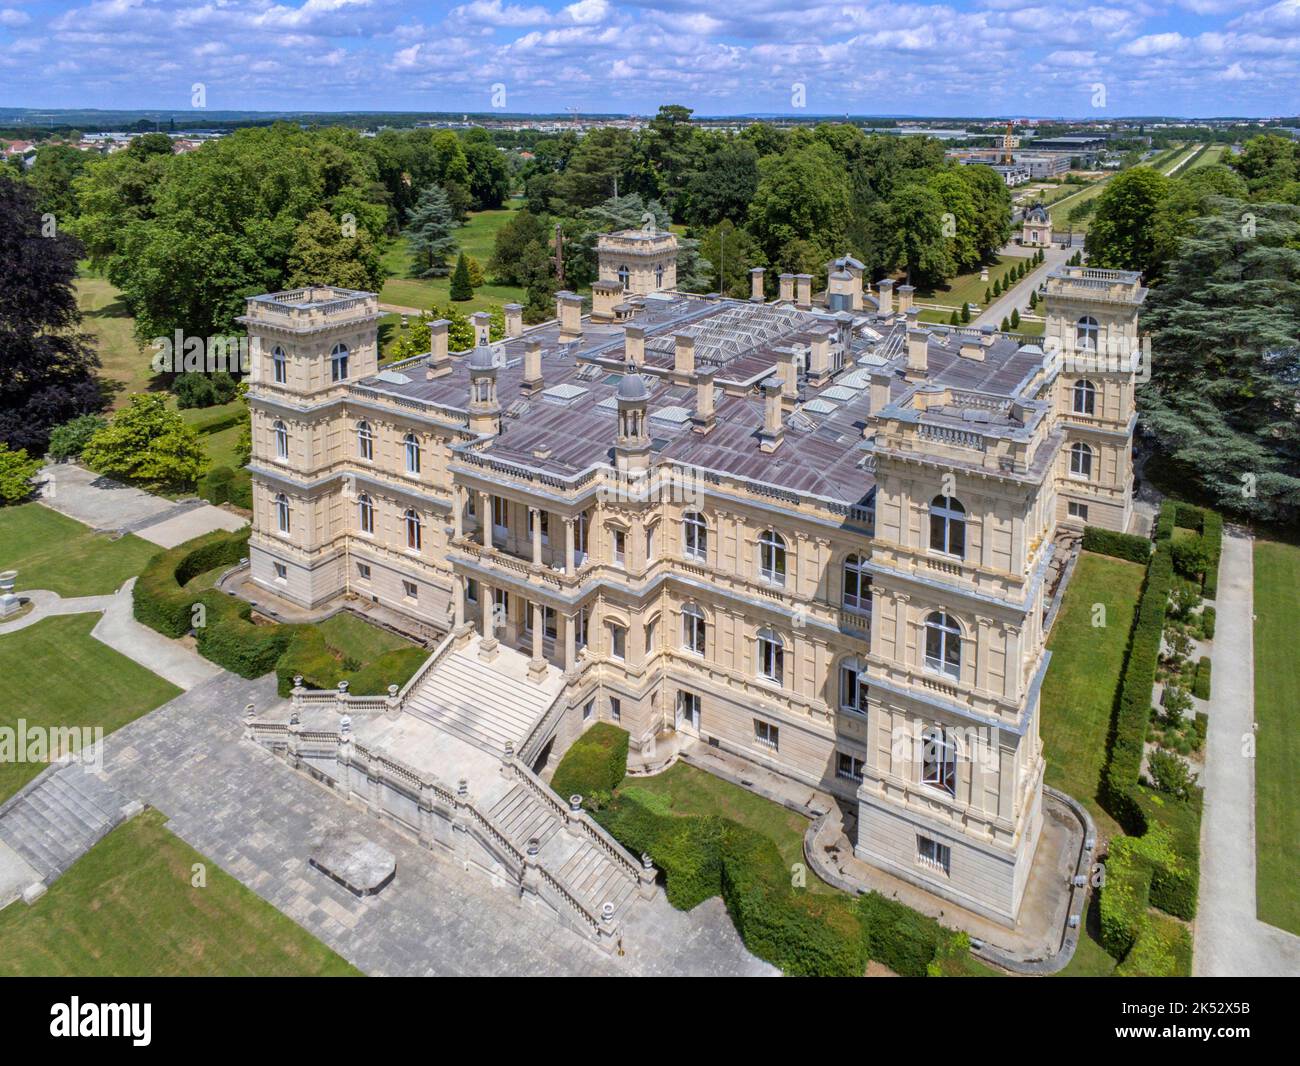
(834, 567)
(641, 261)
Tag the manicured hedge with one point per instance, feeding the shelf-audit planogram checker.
(903, 939)
(594, 765)
(1201, 680)
(1208, 621)
(1162, 949)
(1121, 545)
(161, 603)
(1173, 842)
(224, 485)
(1125, 895)
(1209, 524)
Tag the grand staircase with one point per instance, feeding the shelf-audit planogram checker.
(484, 703)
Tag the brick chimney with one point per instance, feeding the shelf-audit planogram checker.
(439, 360)
(532, 379)
(683, 359)
(514, 320)
(705, 415)
(773, 431)
(786, 282)
(803, 290)
(885, 295)
(633, 345)
(756, 285)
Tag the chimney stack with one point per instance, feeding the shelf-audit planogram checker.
(703, 419)
(905, 298)
(918, 352)
(683, 359)
(756, 285)
(633, 346)
(788, 374)
(786, 282)
(819, 358)
(987, 335)
(532, 379)
(568, 309)
(604, 296)
(514, 320)
(803, 290)
(439, 360)
(886, 296)
(773, 432)
(880, 381)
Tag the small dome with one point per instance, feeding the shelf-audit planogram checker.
(481, 359)
(632, 387)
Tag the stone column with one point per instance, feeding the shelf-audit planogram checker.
(458, 510)
(570, 643)
(487, 606)
(568, 547)
(536, 515)
(485, 518)
(537, 667)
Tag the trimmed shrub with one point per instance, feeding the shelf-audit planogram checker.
(215, 486)
(1162, 949)
(195, 389)
(1208, 619)
(68, 440)
(903, 939)
(232, 640)
(161, 603)
(1124, 896)
(594, 766)
(1174, 843)
(1201, 680)
(687, 849)
(1121, 545)
(1192, 557)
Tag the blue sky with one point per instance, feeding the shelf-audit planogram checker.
(1015, 57)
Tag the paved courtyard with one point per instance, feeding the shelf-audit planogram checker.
(260, 820)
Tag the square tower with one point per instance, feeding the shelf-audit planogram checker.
(641, 261)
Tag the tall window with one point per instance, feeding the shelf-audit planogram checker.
(620, 548)
(411, 446)
(1085, 397)
(282, 512)
(413, 538)
(857, 585)
(659, 276)
(623, 276)
(618, 642)
(339, 363)
(279, 366)
(939, 760)
(771, 557)
(1086, 333)
(1080, 460)
(365, 441)
(771, 656)
(695, 535)
(947, 526)
(580, 538)
(366, 513)
(943, 644)
(693, 629)
(281, 440)
(580, 628)
(500, 516)
(853, 693)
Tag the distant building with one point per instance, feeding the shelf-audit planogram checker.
(1036, 230)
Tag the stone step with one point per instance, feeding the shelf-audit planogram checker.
(59, 819)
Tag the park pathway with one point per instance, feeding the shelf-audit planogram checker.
(1003, 305)
(1230, 940)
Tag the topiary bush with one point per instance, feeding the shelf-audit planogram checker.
(1162, 949)
(1208, 619)
(594, 765)
(1124, 896)
(1201, 682)
(1120, 545)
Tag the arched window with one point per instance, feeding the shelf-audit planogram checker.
(693, 631)
(624, 275)
(366, 513)
(943, 644)
(771, 557)
(659, 276)
(771, 656)
(282, 512)
(411, 446)
(857, 585)
(281, 440)
(939, 760)
(1086, 332)
(1085, 397)
(1080, 460)
(412, 530)
(695, 535)
(339, 363)
(365, 441)
(853, 691)
(947, 526)
(279, 365)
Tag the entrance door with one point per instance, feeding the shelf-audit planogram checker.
(688, 712)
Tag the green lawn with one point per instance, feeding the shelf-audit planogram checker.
(1082, 681)
(354, 636)
(967, 288)
(52, 551)
(127, 908)
(56, 674)
(689, 790)
(1213, 154)
(1277, 711)
(124, 364)
(476, 239)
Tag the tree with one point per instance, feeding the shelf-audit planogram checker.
(1268, 163)
(923, 248)
(489, 176)
(475, 268)
(16, 474)
(1122, 235)
(802, 194)
(328, 252)
(1006, 325)
(1189, 197)
(1015, 318)
(46, 363)
(461, 289)
(52, 175)
(954, 194)
(147, 442)
(602, 158)
(733, 253)
(429, 232)
(965, 312)
(1225, 367)
(513, 240)
(68, 440)
(723, 186)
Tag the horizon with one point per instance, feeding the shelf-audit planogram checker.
(1073, 61)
